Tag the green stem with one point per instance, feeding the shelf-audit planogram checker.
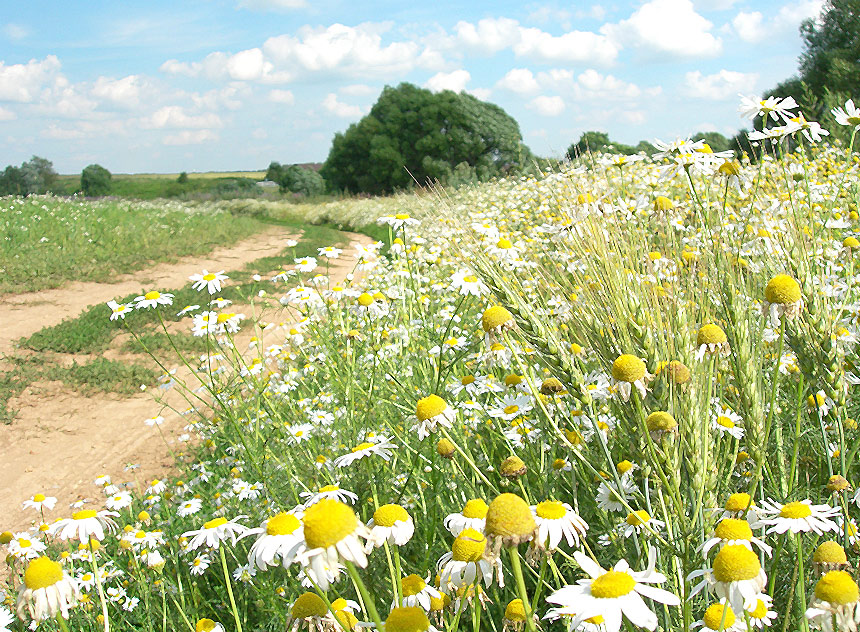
(521, 586)
(230, 589)
(368, 601)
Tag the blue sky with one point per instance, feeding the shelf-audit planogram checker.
(234, 84)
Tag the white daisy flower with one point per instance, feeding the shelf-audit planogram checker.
(465, 565)
(332, 532)
(640, 521)
(331, 492)
(153, 299)
(430, 411)
(119, 310)
(39, 502)
(473, 516)
(417, 593)
(84, 525)
(508, 407)
(189, 507)
(47, 591)
(25, 546)
(732, 531)
(798, 517)
(390, 523)
(556, 520)
(725, 421)
(379, 448)
(281, 536)
(209, 280)
(214, 532)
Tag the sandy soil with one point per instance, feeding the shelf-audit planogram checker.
(61, 440)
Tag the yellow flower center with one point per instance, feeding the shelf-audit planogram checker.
(735, 563)
(782, 290)
(738, 502)
(430, 406)
(623, 467)
(710, 334)
(39, 498)
(439, 603)
(851, 242)
(760, 610)
(469, 546)
(407, 620)
(584, 198)
(308, 605)
(204, 625)
(637, 518)
(515, 611)
(346, 618)
(470, 278)
(475, 508)
(282, 524)
(830, 553)
(412, 585)
(663, 203)
(209, 277)
(24, 543)
(497, 346)
(628, 368)
(714, 617)
(837, 588)
(151, 296)
(509, 515)
(215, 523)
(551, 510)
(513, 379)
(795, 510)
(42, 572)
(401, 216)
(387, 515)
(362, 446)
(596, 620)
(612, 584)
(559, 464)
(328, 522)
(731, 529)
(224, 317)
(495, 316)
(725, 422)
(660, 420)
(365, 299)
(730, 168)
(510, 410)
(84, 514)
(329, 488)
(504, 244)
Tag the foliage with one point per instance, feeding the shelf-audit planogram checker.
(412, 135)
(95, 181)
(296, 179)
(182, 178)
(36, 175)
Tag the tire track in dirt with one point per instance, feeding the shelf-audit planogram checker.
(61, 441)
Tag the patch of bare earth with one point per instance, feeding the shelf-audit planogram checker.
(62, 440)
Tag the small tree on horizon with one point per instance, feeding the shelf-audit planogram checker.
(95, 181)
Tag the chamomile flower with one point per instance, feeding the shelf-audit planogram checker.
(640, 522)
(6, 620)
(760, 615)
(211, 281)
(468, 284)
(281, 536)
(783, 298)
(120, 500)
(430, 411)
(84, 525)
(199, 564)
(47, 591)
(556, 520)
(408, 619)
(732, 531)
(711, 340)
(719, 617)
(189, 507)
(613, 594)
(509, 407)
(381, 448)
(329, 492)
(628, 371)
(119, 310)
(464, 565)
(417, 592)
(608, 494)
(392, 524)
(39, 502)
(836, 597)
(25, 546)
(725, 421)
(153, 299)
(208, 625)
(798, 517)
(332, 533)
(736, 576)
(473, 516)
(215, 531)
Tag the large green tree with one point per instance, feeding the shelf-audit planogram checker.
(95, 181)
(414, 135)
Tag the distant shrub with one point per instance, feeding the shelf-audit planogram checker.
(95, 181)
(183, 178)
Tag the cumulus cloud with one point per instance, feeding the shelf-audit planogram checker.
(175, 117)
(282, 96)
(229, 97)
(519, 80)
(753, 27)
(719, 86)
(667, 27)
(489, 35)
(547, 106)
(338, 108)
(190, 137)
(455, 81)
(595, 84)
(123, 92)
(24, 82)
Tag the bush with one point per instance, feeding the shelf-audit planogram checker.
(95, 181)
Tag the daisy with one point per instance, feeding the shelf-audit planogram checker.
(199, 564)
(465, 565)
(187, 309)
(208, 625)
(639, 521)
(798, 517)
(25, 546)
(329, 492)
(555, 520)
(629, 371)
(417, 592)
(209, 280)
(711, 340)
(836, 596)
(468, 284)
(775, 107)
(120, 500)
(607, 494)
(214, 532)
(736, 576)
(119, 310)
(39, 502)
(783, 297)
(718, 617)
(189, 507)
(392, 524)
(850, 116)
(332, 533)
(614, 593)
(47, 591)
(508, 407)
(725, 422)
(761, 615)
(153, 299)
(329, 252)
(84, 525)
(281, 536)
(306, 264)
(398, 221)
(6, 620)
(473, 516)
(381, 448)
(732, 531)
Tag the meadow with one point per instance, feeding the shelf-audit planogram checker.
(616, 396)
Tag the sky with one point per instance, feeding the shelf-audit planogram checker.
(223, 85)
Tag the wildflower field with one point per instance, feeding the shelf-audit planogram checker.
(619, 396)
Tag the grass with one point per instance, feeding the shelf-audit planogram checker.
(154, 186)
(47, 241)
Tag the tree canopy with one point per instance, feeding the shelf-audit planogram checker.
(95, 181)
(37, 175)
(414, 135)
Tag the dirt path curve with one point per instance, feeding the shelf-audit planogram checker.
(62, 441)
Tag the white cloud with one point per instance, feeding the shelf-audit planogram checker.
(338, 108)
(175, 117)
(519, 80)
(489, 35)
(634, 117)
(190, 137)
(669, 27)
(124, 92)
(247, 65)
(753, 27)
(272, 5)
(455, 81)
(714, 5)
(61, 133)
(547, 106)
(15, 31)
(229, 97)
(722, 85)
(7, 115)
(282, 96)
(572, 47)
(23, 82)
(596, 85)
(482, 94)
